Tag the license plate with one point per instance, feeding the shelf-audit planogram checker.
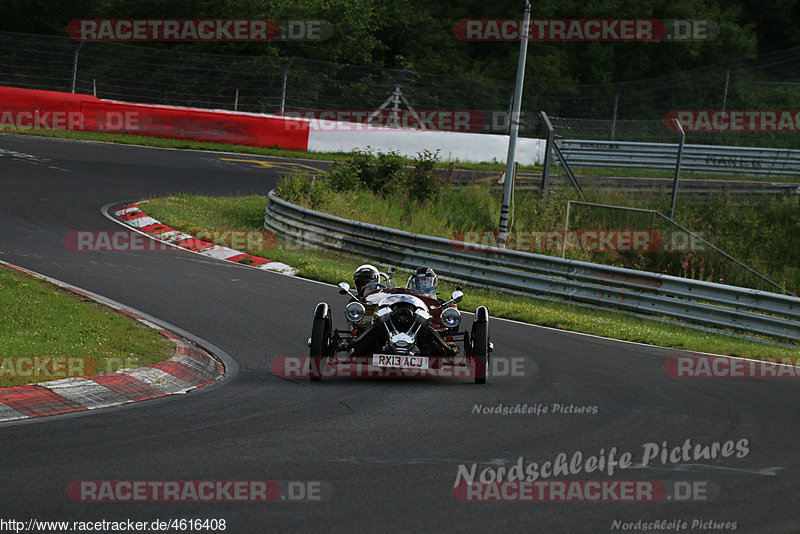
(402, 362)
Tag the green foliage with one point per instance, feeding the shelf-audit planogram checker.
(764, 233)
(342, 178)
(418, 34)
(421, 182)
(376, 171)
(294, 187)
(380, 173)
(303, 188)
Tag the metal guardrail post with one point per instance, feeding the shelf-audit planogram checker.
(567, 169)
(548, 153)
(677, 170)
(550, 147)
(566, 229)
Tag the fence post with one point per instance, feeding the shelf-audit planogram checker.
(725, 90)
(75, 64)
(283, 87)
(616, 107)
(677, 170)
(514, 132)
(236, 100)
(566, 230)
(548, 153)
(508, 114)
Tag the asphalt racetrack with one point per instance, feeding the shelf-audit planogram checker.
(387, 452)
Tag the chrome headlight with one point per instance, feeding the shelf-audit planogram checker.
(354, 312)
(451, 317)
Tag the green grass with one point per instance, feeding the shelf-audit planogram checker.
(43, 320)
(189, 212)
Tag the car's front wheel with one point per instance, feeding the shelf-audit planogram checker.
(320, 342)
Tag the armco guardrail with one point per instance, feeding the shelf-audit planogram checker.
(697, 158)
(702, 303)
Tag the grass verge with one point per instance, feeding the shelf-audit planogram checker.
(191, 213)
(48, 333)
(763, 232)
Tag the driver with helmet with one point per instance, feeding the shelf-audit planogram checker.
(425, 281)
(366, 280)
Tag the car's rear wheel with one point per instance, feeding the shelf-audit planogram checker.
(480, 344)
(320, 342)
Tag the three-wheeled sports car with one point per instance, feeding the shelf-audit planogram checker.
(404, 329)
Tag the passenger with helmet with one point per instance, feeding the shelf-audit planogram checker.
(366, 280)
(425, 281)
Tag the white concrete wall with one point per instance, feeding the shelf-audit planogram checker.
(329, 136)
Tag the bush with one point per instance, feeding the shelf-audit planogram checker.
(381, 173)
(294, 187)
(421, 182)
(378, 172)
(303, 189)
(342, 178)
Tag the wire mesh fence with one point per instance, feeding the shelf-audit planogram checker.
(261, 84)
(246, 83)
(645, 239)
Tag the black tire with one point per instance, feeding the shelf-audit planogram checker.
(320, 341)
(480, 350)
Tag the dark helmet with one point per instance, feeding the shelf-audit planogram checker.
(365, 275)
(424, 280)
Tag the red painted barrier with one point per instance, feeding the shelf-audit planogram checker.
(51, 110)
(13, 100)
